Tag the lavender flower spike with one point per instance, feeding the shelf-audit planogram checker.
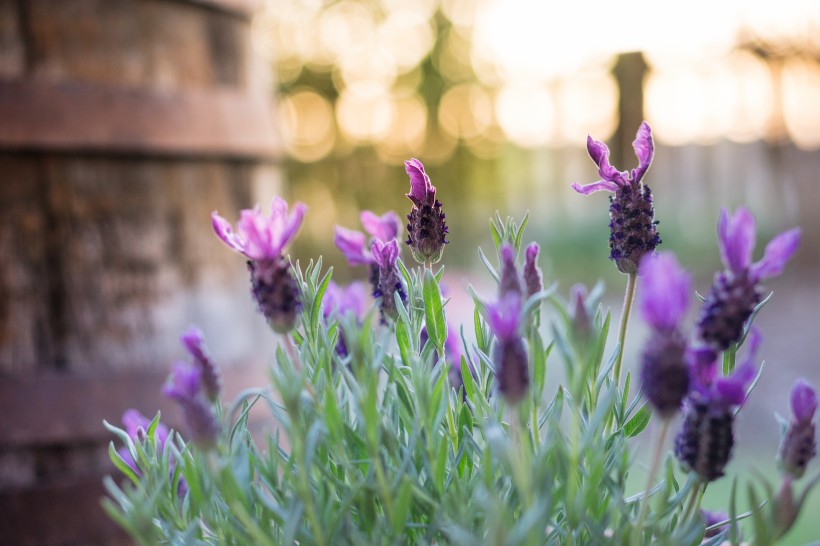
(705, 441)
(194, 342)
(386, 255)
(799, 445)
(426, 229)
(664, 368)
(184, 386)
(532, 273)
(510, 277)
(262, 239)
(736, 292)
(509, 353)
(633, 229)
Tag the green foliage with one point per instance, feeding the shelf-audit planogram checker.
(377, 447)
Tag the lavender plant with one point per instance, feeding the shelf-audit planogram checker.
(399, 426)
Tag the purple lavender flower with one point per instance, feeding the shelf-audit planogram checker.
(136, 426)
(262, 239)
(798, 445)
(633, 229)
(664, 368)
(184, 385)
(581, 320)
(532, 273)
(354, 244)
(390, 282)
(509, 353)
(706, 438)
(426, 229)
(735, 292)
(340, 301)
(194, 342)
(510, 277)
(713, 518)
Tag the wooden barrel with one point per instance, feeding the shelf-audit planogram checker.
(123, 124)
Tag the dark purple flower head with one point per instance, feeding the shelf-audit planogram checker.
(184, 383)
(736, 240)
(611, 178)
(632, 216)
(666, 288)
(194, 342)
(342, 300)
(510, 277)
(798, 445)
(426, 228)
(258, 236)
(532, 273)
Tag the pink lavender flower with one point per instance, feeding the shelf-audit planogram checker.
(664, 368)
(262, 238)
(533, 278)
(799, 445)
(735, 292)
(633, 228)
(706, 438)
(184, 386)
(509, 353)
(194, 342)
(426, 228)
(390, 281)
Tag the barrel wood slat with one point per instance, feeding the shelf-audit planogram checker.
(123, 124)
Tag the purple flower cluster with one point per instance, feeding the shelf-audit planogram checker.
(136, 426)
(510, 352)
(799, 445)
(632, 216)
(261, 239)
(380, 255)
(340, 301)
(426, 228)
(665, 297)
(736, 291)
(193, 385)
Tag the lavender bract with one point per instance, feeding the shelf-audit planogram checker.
(799, 445)
(633, 227)
(664, 368)
(184, 386)
(136, 425)
(262, 238)
(735, 292)
(509, 353)
(426, 228)
(510, 282)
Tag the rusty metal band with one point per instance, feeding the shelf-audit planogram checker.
(84, 117)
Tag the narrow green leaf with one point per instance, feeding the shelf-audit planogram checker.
(316, 308)
(638, 422)
(488, 265)
(403, 340)
(121, 465)
(401, 510)
(434, 312)
(521, 230)
(496, 235)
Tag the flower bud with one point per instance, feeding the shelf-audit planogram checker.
(705, 441)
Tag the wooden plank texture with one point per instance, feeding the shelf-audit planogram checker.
(86, 117)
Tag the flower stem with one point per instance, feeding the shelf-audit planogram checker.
(629, 297)
(653, 471)
(294, 356)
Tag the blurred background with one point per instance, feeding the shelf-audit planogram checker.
(124, 123)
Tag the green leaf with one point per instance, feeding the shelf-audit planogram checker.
(639, 421)
(434, 312)
(121, 465)
(316, 308)
(403, 340)
(401, 510)
(521, 231)
(488, 265)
